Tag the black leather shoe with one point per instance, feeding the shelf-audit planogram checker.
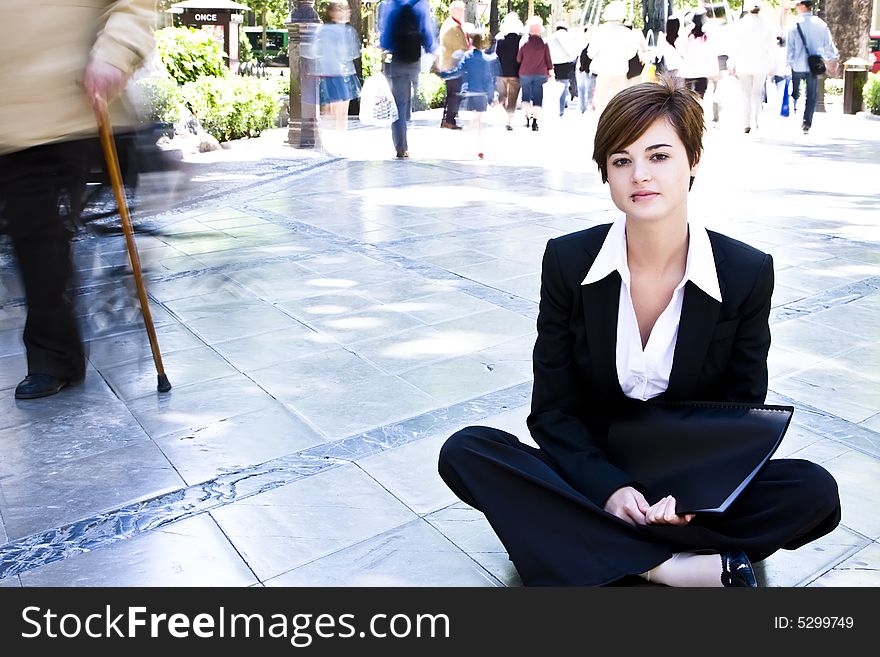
(736, 569)
(35, 386)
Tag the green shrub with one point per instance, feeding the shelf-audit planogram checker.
(431, 93)
(371, 60)
(871, 93)
(833, 86)
(162, 99)
(245, 50)
(232, 107)
(190, 54)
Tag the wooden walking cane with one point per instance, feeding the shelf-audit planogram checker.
(113, 170)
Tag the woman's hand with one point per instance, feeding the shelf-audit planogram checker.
(663, 513)
(629, 505)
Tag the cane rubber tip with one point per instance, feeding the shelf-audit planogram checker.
(164, 384)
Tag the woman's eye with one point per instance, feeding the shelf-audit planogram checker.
(619, 162)
(660, 157)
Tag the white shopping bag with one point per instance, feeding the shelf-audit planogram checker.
(377, 104)
(553, 90)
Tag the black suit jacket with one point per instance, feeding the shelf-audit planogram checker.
(720, 354)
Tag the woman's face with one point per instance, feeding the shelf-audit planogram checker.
(649, 178)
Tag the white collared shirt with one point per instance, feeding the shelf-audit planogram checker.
(644, 373)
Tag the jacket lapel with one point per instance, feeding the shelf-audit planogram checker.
(601, 300)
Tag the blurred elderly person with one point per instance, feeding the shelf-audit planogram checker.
(506, 49)
(751, 60)
(454, 43)
(48, 133)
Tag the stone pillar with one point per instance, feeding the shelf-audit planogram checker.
(303, 127)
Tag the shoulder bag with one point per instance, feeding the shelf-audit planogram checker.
(815, 62)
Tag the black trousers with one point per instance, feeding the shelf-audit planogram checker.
(33, 184)
(453, 99)
(555, 536)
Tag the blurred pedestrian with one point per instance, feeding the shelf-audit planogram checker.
(611, 48)
(337, 45)
(699, 56)
(535, 67)
(751, 60)
(48, 141)
(667, 50)
(406, 31)
(506, 48)
(454, 43)
(478, 72)
(809, 36)
(586, 80)
(563, 54)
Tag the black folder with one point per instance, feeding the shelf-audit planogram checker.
(702, 453)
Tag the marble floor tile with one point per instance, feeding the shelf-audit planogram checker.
(858, 480)
(308, 519)
(239, 324)
(190, 367)
(91, 393)
(470, 531)
(412, 555)
(47, 443)
(191, 552)
(256, 352)
(802, 335)
(861, 569)
(35, 501)
(106, 352)
(13, 368)
(315, 374)
(515, 354)
(456, 379)
(215, 304)
(435, 308)
(499, 269)
(832, 389)
(381, 400)
(231, 444)
(799, 567)
(410, 474)
(198, 404)
(375, 322)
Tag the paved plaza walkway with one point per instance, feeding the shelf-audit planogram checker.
(327, 318)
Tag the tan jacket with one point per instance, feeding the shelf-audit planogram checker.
(46, 47)
(452, 38)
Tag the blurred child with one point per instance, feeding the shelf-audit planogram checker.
(478, 71)
(336, 47)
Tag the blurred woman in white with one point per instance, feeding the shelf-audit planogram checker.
(751, 60)
(611, 47)
(699, 55)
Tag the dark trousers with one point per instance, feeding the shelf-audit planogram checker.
(811, 82)
(33, 183)
(453, 99)
(555, 536)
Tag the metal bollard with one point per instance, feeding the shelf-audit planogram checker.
(855, 75)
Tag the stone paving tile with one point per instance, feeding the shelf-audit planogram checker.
(293, 525)
(414, 554)
(861, 569)
(192, 552)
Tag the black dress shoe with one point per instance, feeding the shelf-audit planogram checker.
(736, 569)
(35, 386)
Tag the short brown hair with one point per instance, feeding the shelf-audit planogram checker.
(632, 111)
